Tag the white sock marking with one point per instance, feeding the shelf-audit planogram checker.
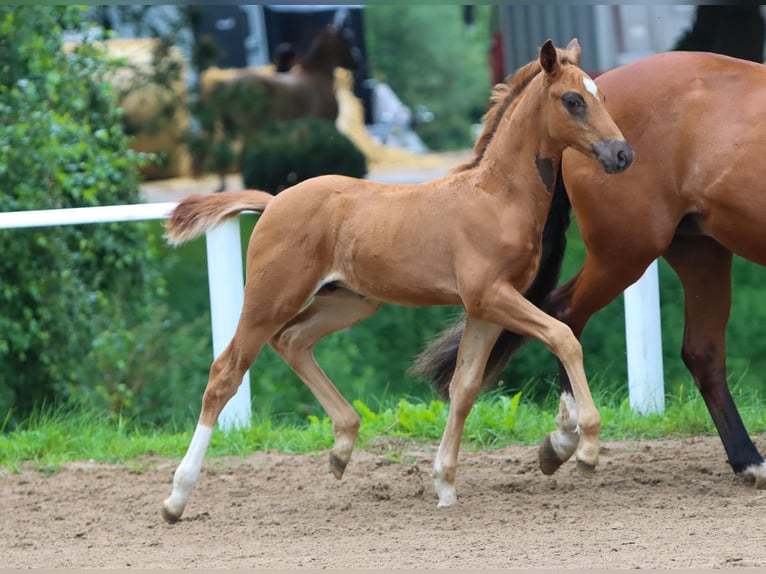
(445, 490)
(565, 440)
(187, 473)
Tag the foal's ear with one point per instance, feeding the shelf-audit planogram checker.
(549, 59)
(573, 51)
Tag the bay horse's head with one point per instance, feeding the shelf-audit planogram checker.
(575, 113)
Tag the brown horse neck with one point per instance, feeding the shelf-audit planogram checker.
(321, 61)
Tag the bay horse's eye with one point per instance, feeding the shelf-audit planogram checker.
(573, 102)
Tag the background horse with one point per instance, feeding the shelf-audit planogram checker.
(471, 238)
(694, 196)
(305, 90)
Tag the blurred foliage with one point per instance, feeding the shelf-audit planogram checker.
(298, 150)
(66, 291)
(443, 67)
(223, 117)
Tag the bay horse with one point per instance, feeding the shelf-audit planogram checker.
(327, 252)
(694, 195)
(306, 89)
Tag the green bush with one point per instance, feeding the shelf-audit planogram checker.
(443, 68)
(65, 292)
(295, 150)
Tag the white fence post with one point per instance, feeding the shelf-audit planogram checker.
(225, 279)
(643, 337)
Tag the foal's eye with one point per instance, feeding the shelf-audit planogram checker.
(573, 101)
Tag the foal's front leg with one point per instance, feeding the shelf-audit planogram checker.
(478, 339)
(580, 415)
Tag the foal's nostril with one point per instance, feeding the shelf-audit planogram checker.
(615, 155)
(622, 158)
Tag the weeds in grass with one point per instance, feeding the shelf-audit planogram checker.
(53, 436)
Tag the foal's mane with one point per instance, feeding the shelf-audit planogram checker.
(503, 96)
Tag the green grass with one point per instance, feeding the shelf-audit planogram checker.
(56, 436)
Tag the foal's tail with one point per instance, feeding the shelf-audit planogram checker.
(437, 362)
(198, 213)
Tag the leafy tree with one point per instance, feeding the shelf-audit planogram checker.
(443, 67)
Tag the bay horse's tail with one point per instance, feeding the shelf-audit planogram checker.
(197, 213)
(437, 362)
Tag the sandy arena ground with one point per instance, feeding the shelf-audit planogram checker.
(671, 504)
(653, 504)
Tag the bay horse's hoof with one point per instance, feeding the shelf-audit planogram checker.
(337, 466)
(547, 457)
(168, 516)
(585, 469)
(759, 472)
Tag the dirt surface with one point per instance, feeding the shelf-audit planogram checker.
(664, 504)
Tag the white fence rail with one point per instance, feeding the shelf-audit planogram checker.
(225, 280)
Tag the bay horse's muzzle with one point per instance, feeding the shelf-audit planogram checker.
(615, 155)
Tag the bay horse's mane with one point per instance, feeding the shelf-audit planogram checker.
(503, 96)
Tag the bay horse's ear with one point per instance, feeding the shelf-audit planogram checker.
(340, 19)
(548, 58)
(573, 51)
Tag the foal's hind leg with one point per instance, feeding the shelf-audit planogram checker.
(330, 311)
(704, 267)
(226, 375)
(263, 313)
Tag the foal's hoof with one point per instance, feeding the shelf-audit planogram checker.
(337, 466)
(168, 516)
(547, 457)
(586, 469)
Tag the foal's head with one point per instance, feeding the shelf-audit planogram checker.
(574, 112)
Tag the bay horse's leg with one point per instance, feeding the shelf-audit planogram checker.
(330, 311)
(478, 339)
(574, 303)
(704, 267)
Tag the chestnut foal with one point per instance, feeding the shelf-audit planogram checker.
(327, 252)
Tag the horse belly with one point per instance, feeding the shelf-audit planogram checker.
(409, 280)
(397, 262)
(735, 215)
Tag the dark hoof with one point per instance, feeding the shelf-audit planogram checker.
(168, 517)
(586, 470)
(549, 460)
(546, 455)
(337, 466)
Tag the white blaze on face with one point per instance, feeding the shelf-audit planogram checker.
(590, 85)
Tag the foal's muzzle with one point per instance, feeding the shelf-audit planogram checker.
(615, 155)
